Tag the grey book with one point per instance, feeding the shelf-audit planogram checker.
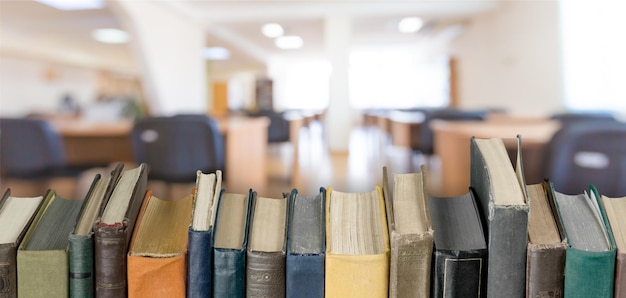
(504, 212)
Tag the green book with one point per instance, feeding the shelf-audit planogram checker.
(42, 259)
(590, 254)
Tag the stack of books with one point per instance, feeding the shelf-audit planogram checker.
(502, 238)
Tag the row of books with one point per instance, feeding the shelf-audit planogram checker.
(502, 238)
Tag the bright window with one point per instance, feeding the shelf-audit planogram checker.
(594, 54)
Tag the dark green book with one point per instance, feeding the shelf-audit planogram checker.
(590, 254)
(42, 257)
(81, 242)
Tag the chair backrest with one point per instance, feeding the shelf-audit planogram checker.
(425, 138)
(588, 152)
(176, 147)
(278, 129)
(29, 148)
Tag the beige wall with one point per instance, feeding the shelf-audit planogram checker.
(510, 58)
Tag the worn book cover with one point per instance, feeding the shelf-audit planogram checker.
(266, 254)
(306, 245)
(545, 266)
(113, 229)
(460, 253)
(42, 259)
(158, 249)
(10, 239)
(200, 234)
(504, 213)
(615, 208)
(357, 246)
(81, 241)
(590, 254)
(230, 240)
(410, 234)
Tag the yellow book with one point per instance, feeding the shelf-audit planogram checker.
(357, 251)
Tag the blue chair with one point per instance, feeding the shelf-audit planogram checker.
(176, 147)
(30, 148)
(588, 152)
(278, 129)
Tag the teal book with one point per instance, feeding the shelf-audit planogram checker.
(230, 240)
(42, 257)
(81, 241)
(590, 253)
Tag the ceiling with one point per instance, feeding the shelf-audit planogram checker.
(31, 28)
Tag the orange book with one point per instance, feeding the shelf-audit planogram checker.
(158, 249)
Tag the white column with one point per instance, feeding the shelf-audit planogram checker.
(337, 38)
(169, 50)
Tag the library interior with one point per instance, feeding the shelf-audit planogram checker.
(312, 148)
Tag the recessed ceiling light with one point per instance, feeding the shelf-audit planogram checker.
(73, 4)
(410, 25)
(272, 30)
(216, 53)
(289, 42)
(110, 35)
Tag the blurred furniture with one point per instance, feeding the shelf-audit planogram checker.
(278, 131)
(571, 117)
(452, 147)
(32, 153)
(588, 152)
(245, 146)
(175, 148)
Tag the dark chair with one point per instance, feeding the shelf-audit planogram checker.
(278, 129)
(176, 147)
(422, 139)
(30, 148)
(588, 152)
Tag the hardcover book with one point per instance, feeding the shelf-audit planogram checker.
(265, 263)
(113, 229)
(157, 252)
(42, 259)
(590, 255)
(410, 234)
(460, 256)
(504, 212)
(200, 234)
(306, 245)
(545, 266)
(81, 242)
(230, 243)
(616, 215)
(357, 244)
(16, 215)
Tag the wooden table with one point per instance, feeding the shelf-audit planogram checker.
(452, 147)
(101, 143)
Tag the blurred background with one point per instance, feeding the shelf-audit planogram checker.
(340, 71)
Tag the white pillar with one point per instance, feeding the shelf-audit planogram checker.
(337, 38)
(169, 50)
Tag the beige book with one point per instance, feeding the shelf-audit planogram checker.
(208, 187)
(410, 234)
(616, 214)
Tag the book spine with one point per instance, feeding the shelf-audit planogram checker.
(545, 270)
(42, 273)
(357, 275)
(304, 276)
(156, 277)
(200, 265)
(265, 274)
(81, 265)
(110, 260)
(459, 273)
(410, 265)
(589, 274)
(507, 242)
(8, 270)
(620, 275)
(229, 273)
